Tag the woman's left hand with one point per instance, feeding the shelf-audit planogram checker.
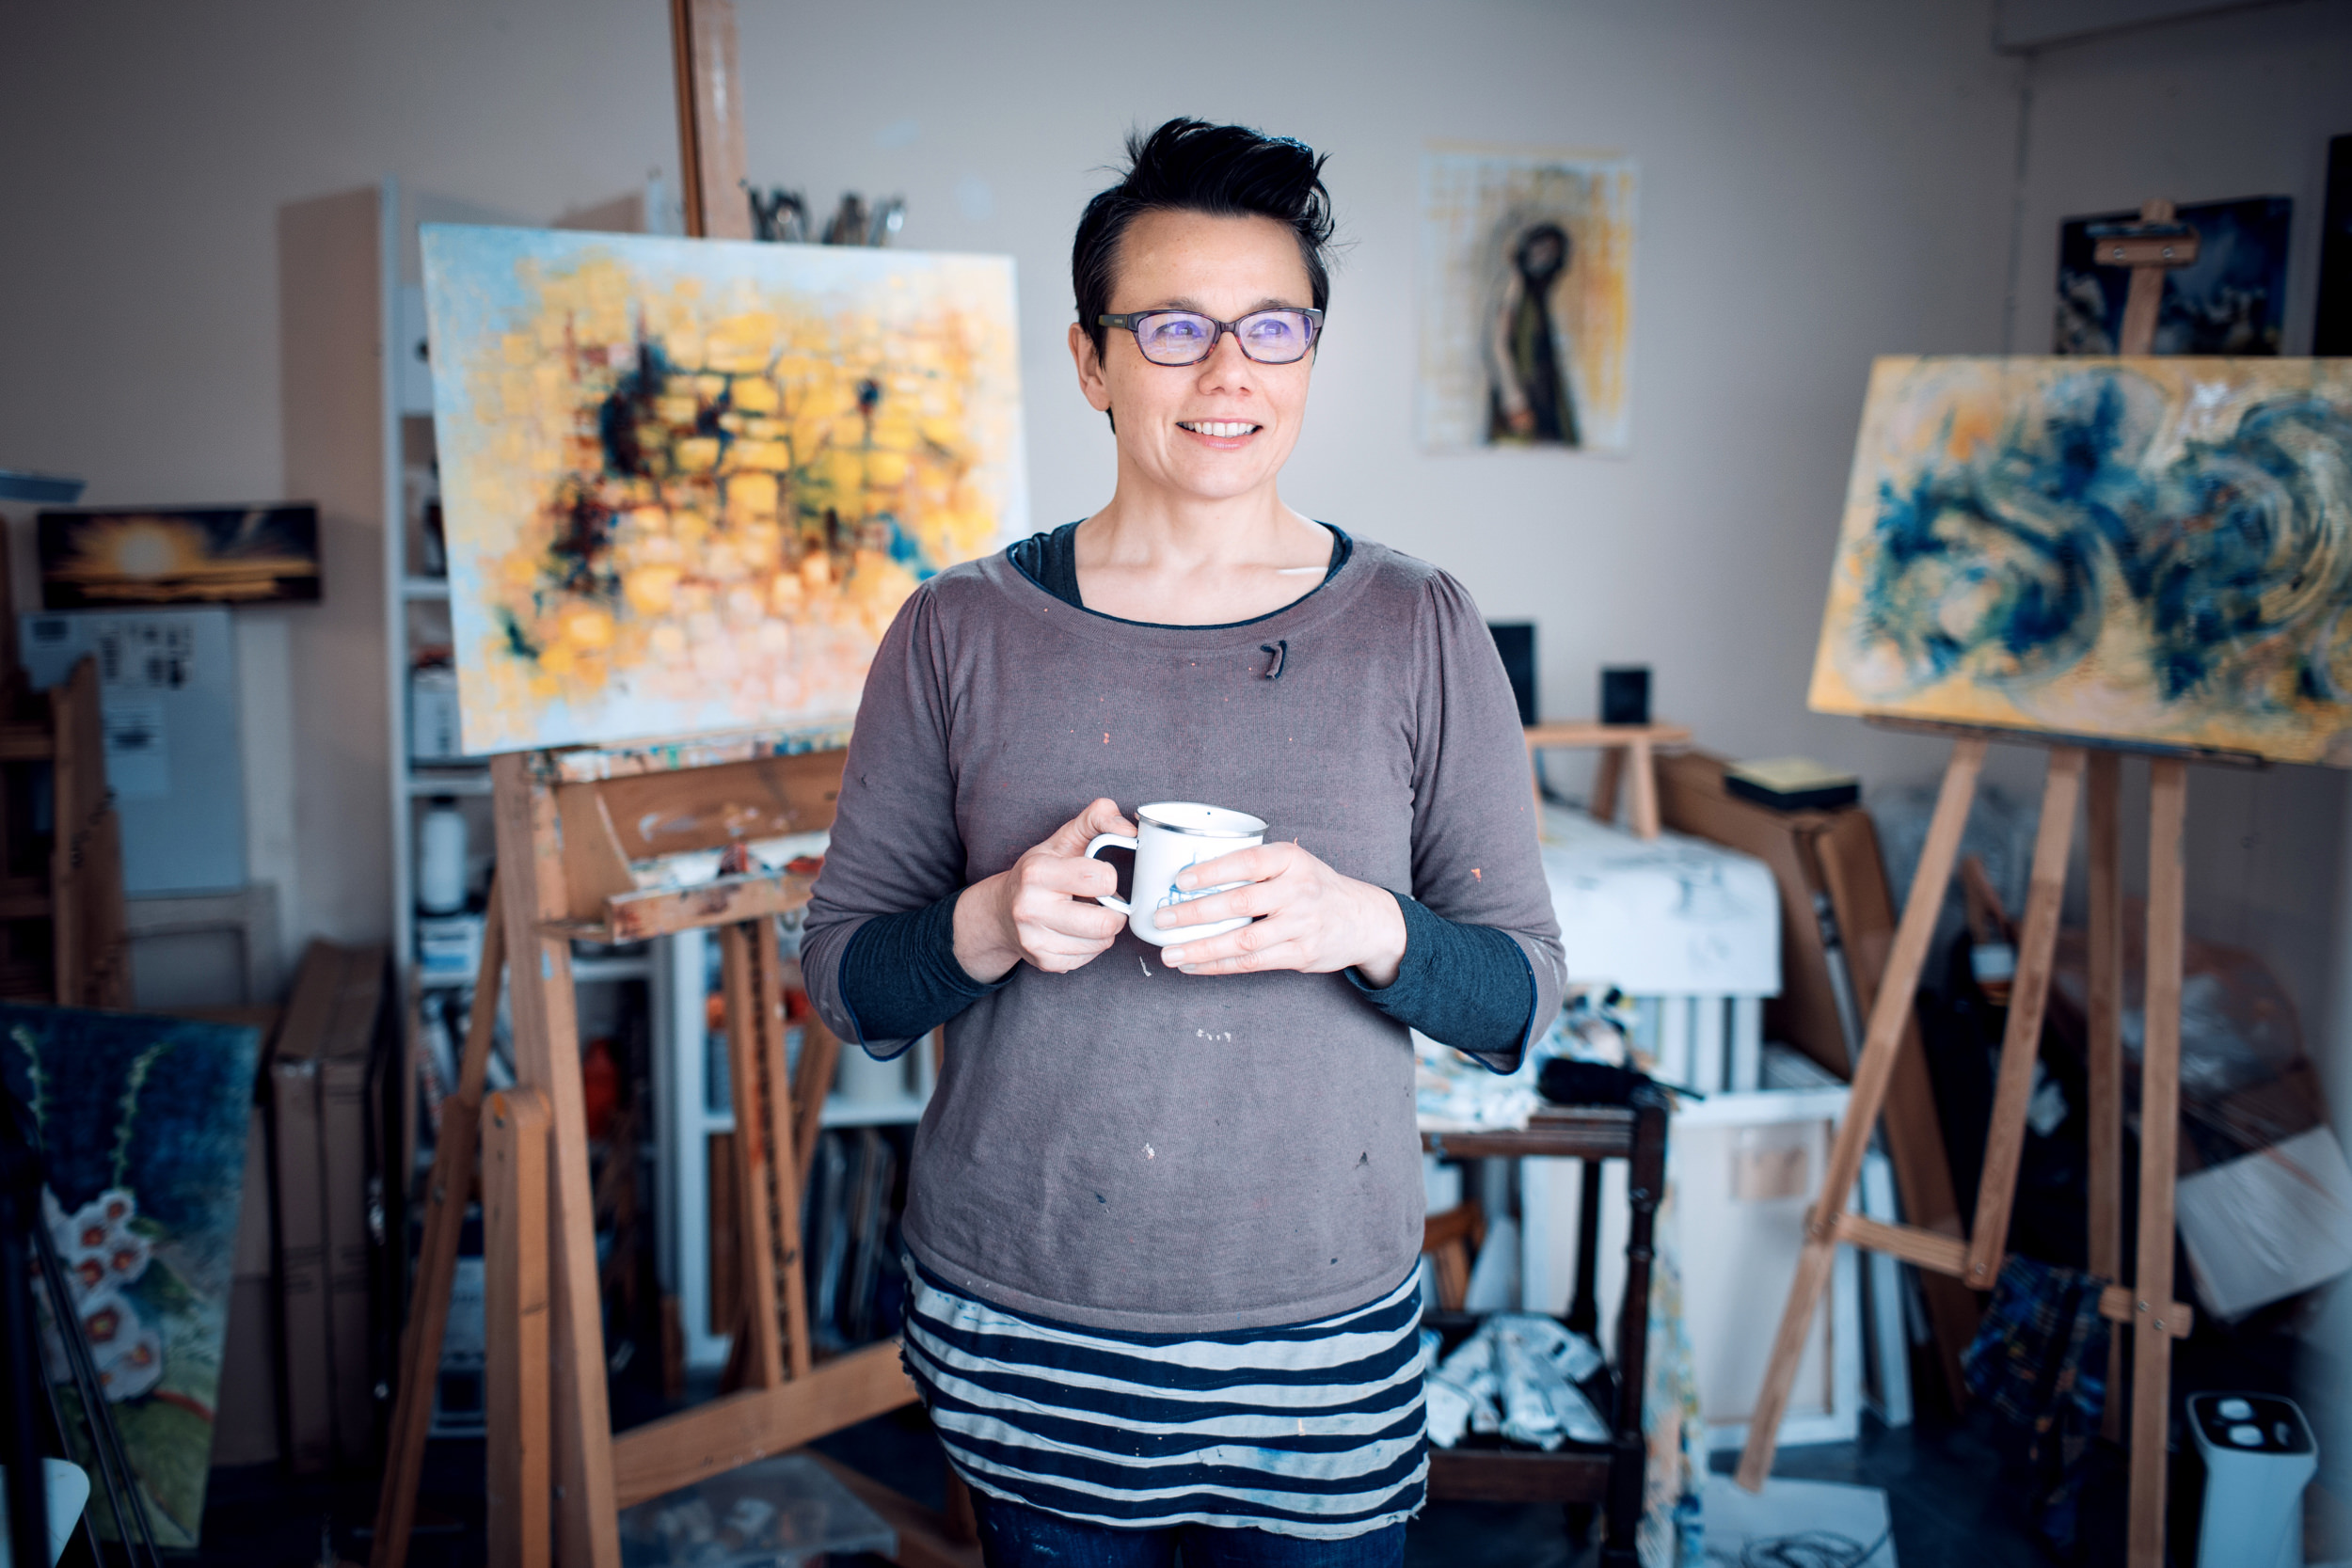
(1306, 917)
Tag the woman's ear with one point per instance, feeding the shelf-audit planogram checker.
(1090, 364)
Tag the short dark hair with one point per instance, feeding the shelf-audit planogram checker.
(1192, 167)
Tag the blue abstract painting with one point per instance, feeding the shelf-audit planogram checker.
(2233, 299)
(2153, 551)
(142, 1125)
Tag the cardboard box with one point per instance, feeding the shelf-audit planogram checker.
(320, 1133)
(245, 1422)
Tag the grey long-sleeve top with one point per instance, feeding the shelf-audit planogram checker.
(1126, 1147)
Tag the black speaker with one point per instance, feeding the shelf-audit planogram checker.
(1625, 694)
(1516, 642)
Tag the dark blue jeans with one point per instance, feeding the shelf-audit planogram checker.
(1012, 1536)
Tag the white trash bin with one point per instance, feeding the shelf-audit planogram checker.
(2259, 1456)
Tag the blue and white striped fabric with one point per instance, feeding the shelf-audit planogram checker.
(1307, 1429)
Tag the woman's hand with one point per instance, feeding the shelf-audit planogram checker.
(1311, 918)
(1037, 909)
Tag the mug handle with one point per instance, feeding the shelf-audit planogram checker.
(1112, 841)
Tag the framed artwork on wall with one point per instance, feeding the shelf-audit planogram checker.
(1527, 302)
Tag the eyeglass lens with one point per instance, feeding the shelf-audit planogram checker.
(1182, 338)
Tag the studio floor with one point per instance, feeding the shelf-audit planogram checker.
(1954, 1505)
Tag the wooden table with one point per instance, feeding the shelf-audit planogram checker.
(1577, 1472)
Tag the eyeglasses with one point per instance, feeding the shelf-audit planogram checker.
(1187, 337)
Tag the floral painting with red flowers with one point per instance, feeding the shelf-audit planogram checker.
(142, 1125)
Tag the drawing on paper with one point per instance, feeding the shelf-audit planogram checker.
(1526, 302)
(2233, 299)
(686, 483)
(142, 1124)
(2156, 551)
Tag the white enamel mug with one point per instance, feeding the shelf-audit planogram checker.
(1175, 834)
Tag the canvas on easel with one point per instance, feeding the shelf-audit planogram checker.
(2153, 551)
(687, 484)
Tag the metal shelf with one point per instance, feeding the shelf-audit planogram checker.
(425, 588)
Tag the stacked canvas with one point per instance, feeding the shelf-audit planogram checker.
(319, 1092)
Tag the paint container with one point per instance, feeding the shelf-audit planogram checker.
(441, 859)
(862, 1081)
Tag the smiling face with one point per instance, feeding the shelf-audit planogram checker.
(1220, 429)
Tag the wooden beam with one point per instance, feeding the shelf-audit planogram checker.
(1946, 1255)
(2139, 334)
(710, 119)
(757, 1328)
(2021, 1042)
(711, 1439)
(515, 1303)
(2106, 1051)
(782, 1255)
(436, 1260)
(546, 1058)
(2159, 1148)
(1891, 1017)
(722, 901)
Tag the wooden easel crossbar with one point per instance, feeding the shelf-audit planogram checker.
(2146, 1305)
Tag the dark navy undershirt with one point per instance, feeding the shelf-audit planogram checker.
(1465, 986)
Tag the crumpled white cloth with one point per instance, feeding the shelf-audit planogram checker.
(1454, 1094)
(1516, 1376)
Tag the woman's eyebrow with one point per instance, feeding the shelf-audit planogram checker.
(1187, 301)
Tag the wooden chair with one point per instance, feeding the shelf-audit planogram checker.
(1452, 1241)
(1576, 1473)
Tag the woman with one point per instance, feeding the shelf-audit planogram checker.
(1165, 1209)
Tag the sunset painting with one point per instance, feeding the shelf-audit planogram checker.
(687, 484)
(2154, 552)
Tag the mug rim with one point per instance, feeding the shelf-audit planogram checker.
(1143, 814)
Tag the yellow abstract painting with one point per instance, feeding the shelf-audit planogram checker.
(687, 484)
(1527, 302)
(2154, 552)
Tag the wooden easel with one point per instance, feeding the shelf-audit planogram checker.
(2147, 1305)
(568, 825)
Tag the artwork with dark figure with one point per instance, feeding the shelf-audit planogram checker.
(1530, 401)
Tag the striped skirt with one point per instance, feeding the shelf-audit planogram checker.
(1307, 1429)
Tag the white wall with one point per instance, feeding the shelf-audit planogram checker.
(1818, 184)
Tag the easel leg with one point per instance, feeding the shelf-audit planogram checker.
(2107, 1052)
(514, 1301)
(1607, 773)
(783, 1251)
(1898, 986)
(2160, 1134)
(546, 1058)
(820, 1052)
(2021, 1045)
(759, 1347)
(436, 1260)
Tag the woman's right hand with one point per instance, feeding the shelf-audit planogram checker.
(1039, 909)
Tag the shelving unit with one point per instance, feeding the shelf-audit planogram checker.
(674, 970)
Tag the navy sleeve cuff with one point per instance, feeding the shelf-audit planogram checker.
(1468, 987)
(900, 980)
